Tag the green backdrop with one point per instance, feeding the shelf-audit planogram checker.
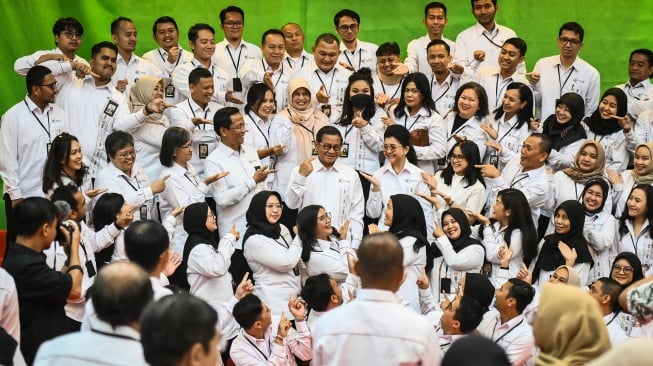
(612, 28)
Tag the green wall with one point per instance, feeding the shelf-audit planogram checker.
(612, 28)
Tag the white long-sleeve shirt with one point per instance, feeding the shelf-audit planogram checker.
(254, 71)
(493, 240)
(454, 265)
(233, 59)
(363, 56)
(23, 64)
(600, 231)
(471, 129)
(136, 68)
(640, 96)
(334, 82)
(221, 81)
(477, 38)
(330, 257)
(208, 271)
(135, 189)
(250, 351)
(615, 146)
(365, 143)
(515, 336)
(416, 54)
(641, 244)
(427, 156)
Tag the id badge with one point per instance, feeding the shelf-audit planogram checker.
(442, 162)
(344, 150)
(48, 146)
(314, 151)
(494, 160)
(110, 108)
(273, 162)
(170, 91)
(90, 269)
(326, 109)
(445, 285)
(204, 151)
(237, 84)
(143, 212)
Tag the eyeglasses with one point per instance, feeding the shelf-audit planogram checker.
(324, 217)
(238, 127)
(345, 27)
(457, 157)
(555, 276)
(391, 147)
(626, 269)
(327, 147)
(52, 86)
(234, 24)
(125, 154)
(71, 35)
(571, 41)
(274, 206)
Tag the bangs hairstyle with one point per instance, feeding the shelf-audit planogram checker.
(424, 86)
(469, 149)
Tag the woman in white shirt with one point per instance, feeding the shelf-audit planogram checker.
(642, 173)
(565, 131)
(270, 252)
(64, 166)
(627, 269)
(109, 209)
(636, 225)
(205, 260)
(259, 118)
(323, 248)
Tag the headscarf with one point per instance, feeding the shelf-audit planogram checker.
(257, 222)
(141, 95)
(465, 238)
(599, 169)
(480, 288)
(601, 126)
(605, 187)
(573, 276)
(195, 216)
(408, 220)
(637, 351)
(550, 256)
(648, 178)
(313, 120)
(569, 327)
(481, 348)
(564, 134)
(634, 261)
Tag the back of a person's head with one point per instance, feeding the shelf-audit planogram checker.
(145, 242)
(380, 261)
(172, 327)
(522, 292)
(120, 293)
(31, 213)
(474, 350)
(248, 310)
(317, 292)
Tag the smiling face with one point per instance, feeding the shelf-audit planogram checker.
(636, 203)
(642, 160)
(412, 96)
(326, 55)
(435, 22)
(124, 159)
(468, 103)
(608, 106)
(451, 227)
(484, 12)
(74, 161)
(587, 159)
(301, 99)
(531, 154)
(273, 209)
(593, 198)
(184, 153)
(385, 64)
(126, 36)
(561, 275)
(104, 63)
(512, 103)
(166, 35)
(202, 92)
(561, 222)
(563, 114)
(328, 149)
(323, 225)
(211, 221)
(158, 90)
(622, 272)
(393, 151)
(273, 49)
(459, 162)
(500, 213)
(438, 58)
(509, 58)
(387, 217)
(266, 107)
(347, 28)
(204, 46)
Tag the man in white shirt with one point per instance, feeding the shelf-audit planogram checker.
(329, 183)
(387, 83)
(26, 133)
(196, 115)
(556, 75)
(168, 55)
(232, 53)
(321, 294)
(606, 293)
(435, 20)
(296, 56)
(327, 78)
(482, 41)
(68, 38)
(638, 88)
(460, 317)
(506, 325)
(376, 328)
(129, 66)
(444, 83)
(121, 292)
(354, 53)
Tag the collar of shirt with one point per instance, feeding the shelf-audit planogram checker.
(132, 60)
(195, 62)
(643, 231)
(196, 107)
(268, 68)
(407, 170)
(91, 82)
(369, 294)
(344, 48)
(117, 172)
(535, 173)
(226, 150)
(481, 29)
(261, 344)
(502, 121)
(181, 170)
(645, 84)
(574, 65)
(317, 166)
(446, 81)
(227, 44)
(120, 330)
(422, 113)
(509, 324)
(34, 108)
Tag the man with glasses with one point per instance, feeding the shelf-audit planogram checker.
(329, 183)
(26, 133)
(354, 53)
(68, 38)
(556, 75)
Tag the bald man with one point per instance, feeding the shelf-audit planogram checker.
(376, 329)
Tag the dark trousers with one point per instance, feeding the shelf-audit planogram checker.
(9, 214)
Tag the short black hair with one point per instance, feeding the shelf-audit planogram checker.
(435, 5)
(388, 49)
(328, 38)
(440, 42)
(222, 118)
(522, 292)
(545, 142)
(69, 23)
(35, 76)
(327, 130)
(573, 27)
(469, 314)
(65, 193)
(104, 44)
(173, 324)
(198, 73)
(255, 96)
(195, 29)
(117, 140)
(248, 311)
(519, 44)
(643, 51)
(116, 24)
(230, 9)
(317, 292)
(346, 13)
(162, 20)
(31, 213)
(271, 31)
(494, 2)
(613, 288)
(145, 241)
(173, 138)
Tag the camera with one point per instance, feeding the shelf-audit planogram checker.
(61, 238)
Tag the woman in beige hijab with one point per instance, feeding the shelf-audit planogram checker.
(147, 138)
(642, 173)
(568, 328)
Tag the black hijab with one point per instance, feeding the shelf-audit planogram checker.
(605, 187)
(601, 126)
(195, 216)
(408, 220)
(475, 350)
(257, 222)
(550, 257)
(564, 134)
(480, 288)
(465, 238)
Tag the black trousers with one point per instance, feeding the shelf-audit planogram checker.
(11, 224)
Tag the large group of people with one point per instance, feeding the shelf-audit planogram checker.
(265, 205)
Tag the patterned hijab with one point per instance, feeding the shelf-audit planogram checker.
(597, 171)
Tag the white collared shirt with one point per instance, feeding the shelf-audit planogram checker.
(262, 135)
(363, 56)
(159, 57)
(25, 134)
(515, 336)
(581, 78)
(477, 38)
(600, 231)
(334, 82)
(347, 335)
(338, 189)
(25, 63)
(135, 69)
(471, 129)
(364, 144)
(298, 63)
(642, 131)
(444, 94)
(640, 96)
(233, 193)
(467, 197)
(221, 80)
(641, 245)
(617, 335)
(253, 71)
(233, 59)
(208, 270)
(508, 135)
(416, 59)
(248, 350)
(427, 156)
(493, 240)
(494, 84)
(135, 189)
(393, 91)
(454, 265)
(330, 257)
(147, 144)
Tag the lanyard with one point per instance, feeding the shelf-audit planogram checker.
(347, 131)
(200, 65)
(304, 127)
(506, 333)
(193, 112)
(630, 89)
(413, 124)
(115, 335)
(635, 242)
(322, 81)
(258, 349)
(507, 132)
(267, 142)
(285, 243)
(181, 52)
(396, 90)
(280, 74)
(512, 183)
(291, 63)
(47, 130)
(130, 184)
(611, 320)
(497, 90)
(236, 64)
(562, 85)
(193, 181)
(360, 56)
(491, 40)
(441, 95)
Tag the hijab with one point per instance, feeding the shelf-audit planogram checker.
(637, 351)
(195, 216)
(597, 172)
(550, 256)
(633, 260)
(481, 348)
(465, 238)
(564, 134)
(601, 126)
(648, 178)
(257, 222)
(480, 288)
(605, 188)
(573, 276)
(141, 95)
(313, 120)
(569, 327)
(408, 220)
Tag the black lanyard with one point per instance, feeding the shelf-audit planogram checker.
(413, 124)
(504, 334)
(236, 64)
(291, 64)
(506, 134)
(181, 52)
(396, 90)
(322, 81)
(206, 110)
(491, 40)
(280, 74)
(562, 85)
(635, 242)
(360, 57)
(130, 184)
(513, 183)
(304, 127)
(47, 130)
(433, 79)
(200, 65)
(258, 349)
(193, 181)
(267, 142)
(496, 87)
(115, 335)
(611, 320)
(630, 89)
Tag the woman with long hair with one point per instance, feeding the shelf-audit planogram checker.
(111, 208)
(604, 126)
(636, 225)
(64, 166)
(627, 269)
(642, 173)
(259, 117)
(565, 131)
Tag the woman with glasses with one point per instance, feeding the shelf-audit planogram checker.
(636, 225)
(271, 253)
(184, 187)
(627, 269)
(416, 112)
